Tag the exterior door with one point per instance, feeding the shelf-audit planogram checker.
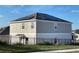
(26, 40)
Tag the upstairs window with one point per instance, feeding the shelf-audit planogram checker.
(23, 26)
(55, 26)
(32, 25)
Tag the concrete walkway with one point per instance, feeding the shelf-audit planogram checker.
(60, 51)
(63, 51)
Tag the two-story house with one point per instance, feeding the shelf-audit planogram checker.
(40, 28)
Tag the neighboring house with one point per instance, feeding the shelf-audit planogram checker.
(76, 36)
(4, 34)
(40, 28)
(5, 30)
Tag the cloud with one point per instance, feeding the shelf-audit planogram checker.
(22, 5)
(1, 16)
(75, 11)
(72, 11)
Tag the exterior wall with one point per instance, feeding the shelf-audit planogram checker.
(49, 27)
(76, 37)
(42, 31)
(14, 40)
(62, 38)
(16, 28)
(47, 31)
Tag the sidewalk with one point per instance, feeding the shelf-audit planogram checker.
(60, 51)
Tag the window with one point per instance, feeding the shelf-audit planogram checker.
(55, 27)
(32, 25)
(23, 26)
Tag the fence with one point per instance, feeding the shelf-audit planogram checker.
(4, 38)
(7, 38)
(16, 39)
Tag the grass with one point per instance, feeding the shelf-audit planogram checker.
(33, 48)
(19, 48)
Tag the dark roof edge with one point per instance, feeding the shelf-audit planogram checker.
(34, 15)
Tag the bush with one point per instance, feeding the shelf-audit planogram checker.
(3, 43)
(18, 44)
(75, 43)
(45, 43)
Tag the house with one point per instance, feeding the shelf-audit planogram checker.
(40, 28)
(5, 30)
(76, 35)
(4, 34)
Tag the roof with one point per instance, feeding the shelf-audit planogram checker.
(5, 31)
(41, 16)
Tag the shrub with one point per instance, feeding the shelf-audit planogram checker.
(45, 43)
(18, 44)
(3, 43)
(75, 43)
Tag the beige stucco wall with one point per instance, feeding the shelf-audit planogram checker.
(16, 28)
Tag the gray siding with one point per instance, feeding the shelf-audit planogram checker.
(44, 27)
(64, 28)
(49, 27)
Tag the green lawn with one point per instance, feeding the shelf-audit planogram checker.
(33, 48)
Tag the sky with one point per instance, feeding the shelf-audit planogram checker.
(66, 12)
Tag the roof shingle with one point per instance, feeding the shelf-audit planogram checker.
(41, 16)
